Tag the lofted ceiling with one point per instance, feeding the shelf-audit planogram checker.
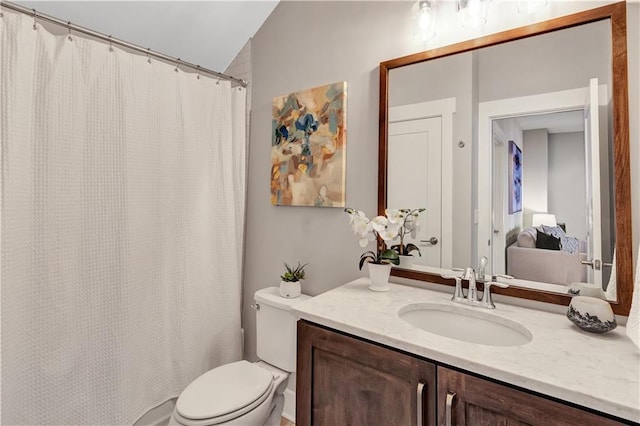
(207, 33)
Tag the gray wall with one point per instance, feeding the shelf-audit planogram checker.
(305, 44)
(302, 45)
(535, 172)
(561, 60)
(567, 187)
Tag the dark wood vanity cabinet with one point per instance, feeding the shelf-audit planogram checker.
(342, 380)
(465, 400)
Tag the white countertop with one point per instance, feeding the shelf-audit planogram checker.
(598, 371)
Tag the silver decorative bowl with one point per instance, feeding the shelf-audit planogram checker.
(591, 314)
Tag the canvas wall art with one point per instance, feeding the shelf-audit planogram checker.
(308, 147)
(515, 178)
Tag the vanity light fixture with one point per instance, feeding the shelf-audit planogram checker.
(548, 219)
(474, 12)
(531, 6)
(424, 13)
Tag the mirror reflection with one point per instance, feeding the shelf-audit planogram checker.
(510, 148)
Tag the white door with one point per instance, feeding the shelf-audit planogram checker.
(414, 180)
(592, 166)
(500, 209)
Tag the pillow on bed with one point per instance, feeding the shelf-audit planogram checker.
(527, 238)
(567, 243)
(546, 241)
(556, 231)
(570, 244)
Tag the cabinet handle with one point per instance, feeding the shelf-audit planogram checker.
(420, 390)
(448, 413)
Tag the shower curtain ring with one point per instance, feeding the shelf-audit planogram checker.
(149, 55)
(198, 72)
(110, 45)
(35, 19)
(69, 28)
(177, 65)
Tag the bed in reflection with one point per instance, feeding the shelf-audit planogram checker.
(547, 254)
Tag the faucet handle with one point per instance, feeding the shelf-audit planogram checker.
(452, 275)
(487, 301)
(458, 293)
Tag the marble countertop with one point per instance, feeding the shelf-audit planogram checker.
(601, 372)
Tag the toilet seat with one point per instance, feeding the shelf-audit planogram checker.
(224, 393)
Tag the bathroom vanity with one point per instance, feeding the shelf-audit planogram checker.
(362, 360)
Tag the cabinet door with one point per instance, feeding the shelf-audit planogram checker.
(481, 402)
(342, 380)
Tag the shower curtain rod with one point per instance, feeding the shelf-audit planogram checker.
(111, 40)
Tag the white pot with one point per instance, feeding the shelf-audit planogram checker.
(406, 262)
(379, 276)
(290, 290)
(591, 314)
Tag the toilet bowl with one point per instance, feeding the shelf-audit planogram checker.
(240, 393)
(244, 393)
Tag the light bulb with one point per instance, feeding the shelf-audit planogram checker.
(474, 12)
(424, 14)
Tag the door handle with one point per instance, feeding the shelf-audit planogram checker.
(433, 241)
(420, 400)
(449, 408)
(594, 263)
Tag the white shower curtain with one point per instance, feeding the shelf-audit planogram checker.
(123, 192)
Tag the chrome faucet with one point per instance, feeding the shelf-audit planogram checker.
(472, 293)
(458, 293)
(487, 301)
(471, 298)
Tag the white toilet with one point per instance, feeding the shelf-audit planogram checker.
(245, 393)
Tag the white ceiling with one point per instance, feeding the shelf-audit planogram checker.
(206, 33)
(558, 122)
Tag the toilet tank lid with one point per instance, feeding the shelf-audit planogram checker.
(271, 296)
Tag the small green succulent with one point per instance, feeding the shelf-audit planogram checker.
(293, 274)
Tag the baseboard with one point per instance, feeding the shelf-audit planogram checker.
(289, 411)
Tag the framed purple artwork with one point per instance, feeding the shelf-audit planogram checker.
(515, 178)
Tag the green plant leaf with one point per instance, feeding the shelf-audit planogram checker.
(411, 247)
(293, 274)
(367, 255)
(406, 249)
(391, 256)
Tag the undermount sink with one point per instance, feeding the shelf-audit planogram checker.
(468, 324)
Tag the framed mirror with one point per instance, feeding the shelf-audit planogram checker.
(517, 144)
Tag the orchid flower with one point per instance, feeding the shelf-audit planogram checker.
(386, 229)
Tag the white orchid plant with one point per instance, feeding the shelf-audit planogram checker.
(383, 229)
(408, 220)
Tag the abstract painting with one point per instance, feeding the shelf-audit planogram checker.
(308, 147)
(515, 178)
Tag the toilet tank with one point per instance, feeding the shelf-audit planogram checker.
(276, 328)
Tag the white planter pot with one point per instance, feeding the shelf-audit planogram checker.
(406, 262)
(290, 290)
(591, 314)
(379, 276)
